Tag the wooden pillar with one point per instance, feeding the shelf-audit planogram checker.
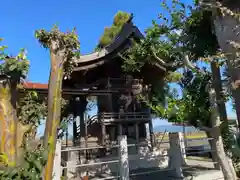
(75, 104)
(151, 133)
(74, 130)
(103, 127)
(86, 131)
(82, 108)
(76, 120)
(66, 140)
(103, 133)
(137, 135)
(120, 130)
(109, 96)
(137, 132)
(86, 139)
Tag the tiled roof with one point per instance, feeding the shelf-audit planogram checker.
(32, 85)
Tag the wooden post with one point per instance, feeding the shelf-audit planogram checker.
(109, 96)
(57, 170)
(151, 133)
(76, 120)
(74, 130)
(120, 129)
(103, 129)
(123, 158)
(175, 154)
(103, 133)
(137, 135)
(86, 137)
(67, 136)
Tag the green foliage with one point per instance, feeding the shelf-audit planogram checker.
(31, 108)
(196, 99)
(180, 29)
(201, 40)
(163, 41)
(15, 67)
(166, 43)
(30, 169)
(173, 77)
(110, 33)
(67, 44)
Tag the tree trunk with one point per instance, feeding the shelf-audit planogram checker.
(216, 134)
(226, 30)
(217, 83)
(214, 153)
(54, 110)
(8, 121)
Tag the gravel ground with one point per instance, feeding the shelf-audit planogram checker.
(194, 170)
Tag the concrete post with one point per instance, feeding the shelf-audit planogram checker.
(123, 158)
(175, 154)
(57, 170)
(182, 145)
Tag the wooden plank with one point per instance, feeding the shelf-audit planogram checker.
(126, 120)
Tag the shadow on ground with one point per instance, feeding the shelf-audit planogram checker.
(155, 174)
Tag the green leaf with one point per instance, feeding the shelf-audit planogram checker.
(160, 109)
(12, 67)
(38, 165)
(2, 48)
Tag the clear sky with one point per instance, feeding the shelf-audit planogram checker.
(19, 20)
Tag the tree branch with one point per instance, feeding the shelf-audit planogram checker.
(158, 58)
(191, 66)
(162, 62)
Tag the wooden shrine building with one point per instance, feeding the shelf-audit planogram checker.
(120, 111)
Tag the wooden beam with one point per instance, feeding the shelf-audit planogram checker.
(74, 92)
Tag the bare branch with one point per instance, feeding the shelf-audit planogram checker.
(191, 66)
(161, 61)
(158, 58)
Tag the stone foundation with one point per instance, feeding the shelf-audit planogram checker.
(143, 159)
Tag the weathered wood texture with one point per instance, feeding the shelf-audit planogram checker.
(8, 120)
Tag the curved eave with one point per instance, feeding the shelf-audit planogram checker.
(96, 59)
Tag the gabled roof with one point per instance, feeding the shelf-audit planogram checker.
(96, 59)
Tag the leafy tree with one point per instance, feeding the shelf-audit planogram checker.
(110, 33)
(225, 21)
(172, 42)
(13, 69)
(30, 169)
(64, 48)
(19, 114)
(31, 108)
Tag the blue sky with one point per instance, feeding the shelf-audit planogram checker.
(19, 20)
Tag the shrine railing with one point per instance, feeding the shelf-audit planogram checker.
(128, 116)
